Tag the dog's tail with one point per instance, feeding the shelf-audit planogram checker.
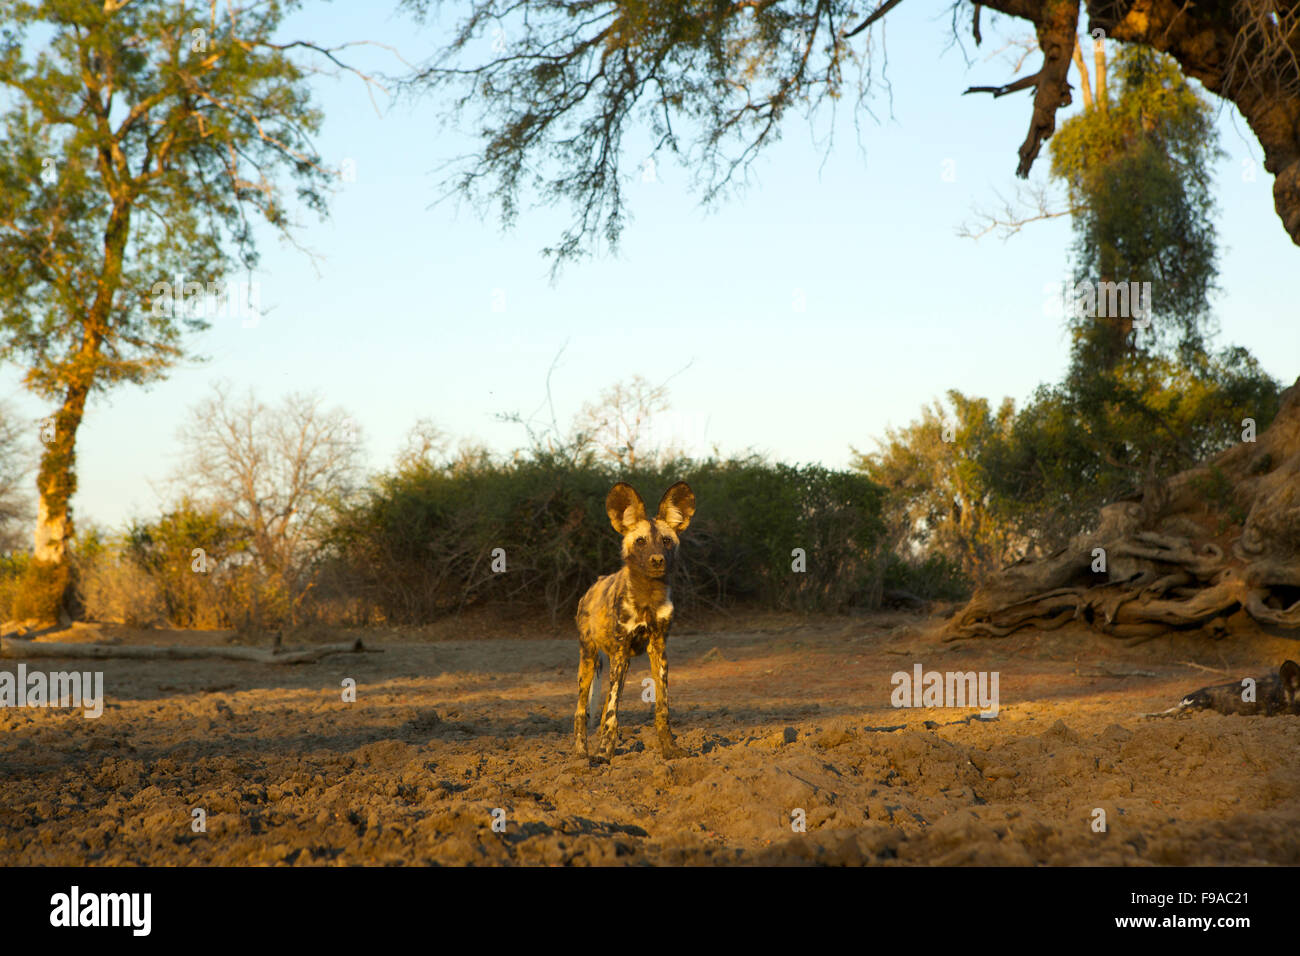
(594, 697)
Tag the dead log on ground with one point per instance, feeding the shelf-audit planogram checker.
(14, 649)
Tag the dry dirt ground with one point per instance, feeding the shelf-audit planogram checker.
(778, 712)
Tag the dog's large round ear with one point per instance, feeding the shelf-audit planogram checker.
(624, 507)
(677, 506)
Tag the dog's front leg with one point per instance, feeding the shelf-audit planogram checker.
(586, 674)
(658, 651)
(618, 663)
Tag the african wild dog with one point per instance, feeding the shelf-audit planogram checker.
(628, 612)
(1274, 694)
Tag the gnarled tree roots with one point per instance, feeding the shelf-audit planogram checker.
(1214, 540)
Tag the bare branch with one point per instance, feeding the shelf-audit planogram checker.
(879, 12)
(1031, 204)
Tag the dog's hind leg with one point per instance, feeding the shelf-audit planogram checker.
(595, 701)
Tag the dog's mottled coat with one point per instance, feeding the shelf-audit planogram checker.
(629, 612)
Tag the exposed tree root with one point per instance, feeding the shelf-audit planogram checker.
(1215, 539)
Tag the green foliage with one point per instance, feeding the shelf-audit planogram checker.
(13, 568)
(422, 543)
(1221, 495)
(940, 499)
(934, 577)
(188, 581)
(37, 595)
(151, 574)
(1017, 483)
(1068, 453)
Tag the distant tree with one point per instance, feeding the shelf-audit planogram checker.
(277, 473)
(939, 497)
(1144, 396)
(1138, 169)
(618, 425)
(425, 446)
(15, 467)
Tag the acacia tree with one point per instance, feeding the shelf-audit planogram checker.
(141, 141)
(564, 82)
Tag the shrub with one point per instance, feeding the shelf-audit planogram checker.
(38, 590)
(935, 577)
(13, 567)
(113, 588)
(422, 542)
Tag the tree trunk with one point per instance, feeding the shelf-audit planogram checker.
(1239, 51)
(45, 590)
(57, 480)
(1221, 537)
(45, 586)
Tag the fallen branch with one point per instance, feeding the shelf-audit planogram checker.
(11, 648)
(1202, 667)
(1103, 672)
(1173, 711)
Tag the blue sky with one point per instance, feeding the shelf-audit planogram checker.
(423, 311)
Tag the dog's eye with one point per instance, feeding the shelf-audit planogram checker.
(640, 541)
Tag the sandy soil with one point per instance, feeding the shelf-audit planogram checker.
(778, 713)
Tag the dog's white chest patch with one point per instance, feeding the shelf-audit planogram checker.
(632, 618)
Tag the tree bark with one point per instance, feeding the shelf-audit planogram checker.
(1213, 540)
(57, 481)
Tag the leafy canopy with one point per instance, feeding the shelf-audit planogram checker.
(139, 142)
